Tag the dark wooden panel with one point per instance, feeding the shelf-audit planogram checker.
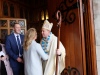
(0, 8)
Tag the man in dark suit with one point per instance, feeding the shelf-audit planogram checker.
(14, 49)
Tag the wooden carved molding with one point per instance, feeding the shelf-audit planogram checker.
(70, 71)
(68, 16)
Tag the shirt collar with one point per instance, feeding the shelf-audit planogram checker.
(16, 34)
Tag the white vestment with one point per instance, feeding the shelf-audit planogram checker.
(32, 59)
(50, 65)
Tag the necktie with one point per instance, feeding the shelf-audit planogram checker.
(18, 44)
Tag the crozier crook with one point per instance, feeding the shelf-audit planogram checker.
(59, 19)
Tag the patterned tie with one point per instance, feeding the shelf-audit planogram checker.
(19, 45)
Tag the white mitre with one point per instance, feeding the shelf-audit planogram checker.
(47, 25)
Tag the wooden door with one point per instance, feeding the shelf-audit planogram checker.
(72, 33)
(90, 46)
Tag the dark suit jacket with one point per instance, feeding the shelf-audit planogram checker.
(12, 49)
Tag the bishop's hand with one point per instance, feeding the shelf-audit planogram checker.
(58, 52)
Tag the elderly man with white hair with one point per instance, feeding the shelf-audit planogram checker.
(49, 45)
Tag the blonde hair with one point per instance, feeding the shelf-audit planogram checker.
(29, 36)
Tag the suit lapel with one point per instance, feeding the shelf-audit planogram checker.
(14, 39)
